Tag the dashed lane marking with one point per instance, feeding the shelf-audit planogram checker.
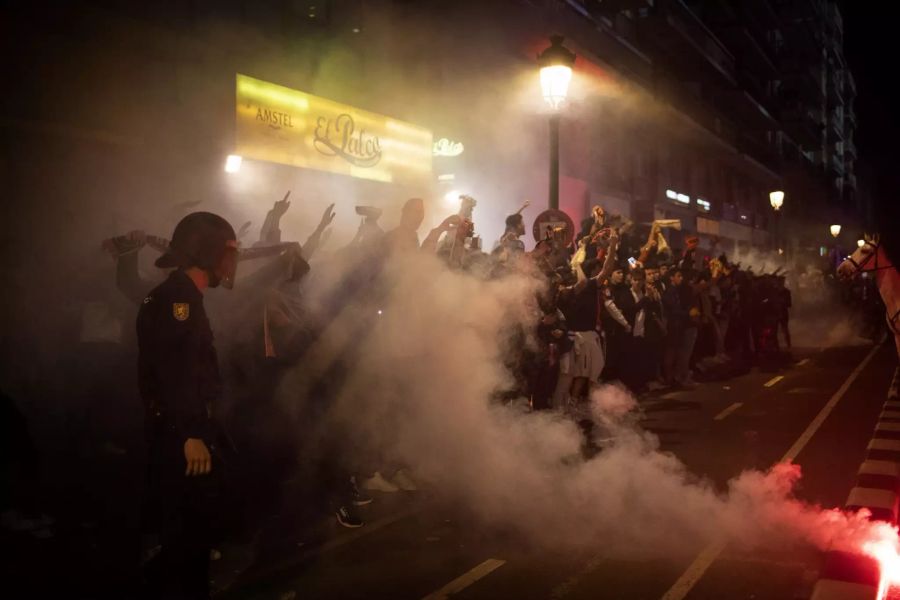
(708, 555)
(466, 579)
(728, 411)
(773, 381)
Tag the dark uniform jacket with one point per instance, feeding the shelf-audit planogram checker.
(177, 365)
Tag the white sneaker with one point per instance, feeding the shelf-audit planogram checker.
(404, 481)
(380, 484)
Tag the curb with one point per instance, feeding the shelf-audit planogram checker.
(847, 576)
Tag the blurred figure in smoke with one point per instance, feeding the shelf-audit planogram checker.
(405, 237)
(784, 310)
(510, 244)
(180, 386)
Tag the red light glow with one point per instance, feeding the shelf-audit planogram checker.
(885, 550)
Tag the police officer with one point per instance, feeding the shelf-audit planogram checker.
(179, 384)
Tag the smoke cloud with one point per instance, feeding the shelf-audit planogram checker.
(419, 394)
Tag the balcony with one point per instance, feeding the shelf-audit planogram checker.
(683, 39)
(754, 53)
(836, 163)
(834, 88)
(759, 150)
(803, 124)
(849, 83)
(746, 110)
(834, 16)
(803, 79)
(836, 129)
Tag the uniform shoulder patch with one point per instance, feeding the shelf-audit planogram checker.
(181, 311)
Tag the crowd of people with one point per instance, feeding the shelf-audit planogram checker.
(614, 303)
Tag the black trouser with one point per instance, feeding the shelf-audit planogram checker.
(186, 511)
(544, 377)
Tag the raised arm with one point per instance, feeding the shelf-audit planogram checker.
(651, 244)
(270, 232)
(124, 250)
(316, 239)
(610, 263)
(431, 240)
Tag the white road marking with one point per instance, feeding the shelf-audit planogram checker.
(774, 380)
(708, 556)
(728, 411)
(466, 579)
(803, 362)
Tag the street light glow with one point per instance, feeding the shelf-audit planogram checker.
(860, 243)
(451, 198)
(835, 230)
(555, 84)
(776, 199)
(233, 163)
(556, 72)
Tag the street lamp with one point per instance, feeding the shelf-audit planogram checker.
(776, 199)
(860, 243)
(835, 230)
(556, 73)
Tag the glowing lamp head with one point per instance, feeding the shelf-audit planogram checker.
(835, 230)
(556, 72)
(776, 199)
(233, 163)
(860, 243)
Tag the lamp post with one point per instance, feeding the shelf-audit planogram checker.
(556, 73)
(776, 199)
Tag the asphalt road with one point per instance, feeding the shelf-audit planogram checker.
(413, 546)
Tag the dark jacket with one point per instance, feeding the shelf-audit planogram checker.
(178, 370)
(675, 308)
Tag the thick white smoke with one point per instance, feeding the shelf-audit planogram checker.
(420, 395)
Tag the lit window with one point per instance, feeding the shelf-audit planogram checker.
(671, 194)
(704, 205)
(684, 198)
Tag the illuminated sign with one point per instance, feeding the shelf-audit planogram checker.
(444, 147)
(286, 126)
(704, 205)
(678, 197)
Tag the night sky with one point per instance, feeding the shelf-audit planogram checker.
(871, 47)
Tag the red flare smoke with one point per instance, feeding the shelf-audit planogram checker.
(884, 547)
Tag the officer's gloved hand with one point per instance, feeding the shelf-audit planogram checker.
(196, 454)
